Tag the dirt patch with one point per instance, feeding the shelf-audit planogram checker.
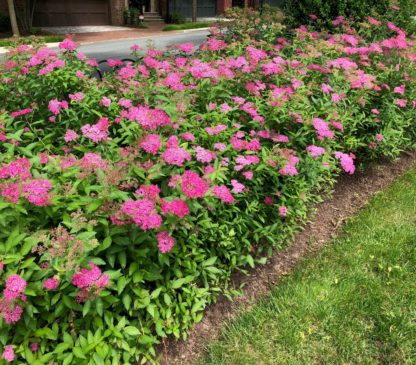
(350, 194)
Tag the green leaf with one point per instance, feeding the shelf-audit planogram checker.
(98, 359)
(78, 353)
(126, 301)
(131, 331)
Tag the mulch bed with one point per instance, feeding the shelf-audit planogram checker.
(351, 194)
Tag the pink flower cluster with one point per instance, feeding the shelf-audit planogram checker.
(149, 119)
(10, 310)
(37, 192)
(322, 129)
(96, 132)
(223, 193)
(143, 213)
(91, 282)
(193, 185)
(346, 161)
(165, 242)
(176, 206)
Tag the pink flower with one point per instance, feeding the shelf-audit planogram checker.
(374, 21)
(96, 132)
(85, 277)
(148, 191)
(268, 200)
(151, 144)
(143, 213)
(37, 192)
(50, 284)
(337, 125)
(282, 211)
(203, 155)
(326, 89)
(248, 175)
(315, 151)
(21, 112)
(8, 353)
(289, 170)
(400, 89)
(379, 137)
(79, 96)
(34, 346)
(237, 187)
(92, 161)
(149, 118)
(105, 101)
(339, 20)
(10, 312)
(322, 129)
(91, 282)
(222, 192)
(70, 135)
(176, 206)
(55, 106)
(185, 47)
(67, 44)
(220, 146)
(165, 242)
(375, 111)
(188, 136)
(176, 156)
(401, 102)
(347, 162)
(15, 285)
(193, 185)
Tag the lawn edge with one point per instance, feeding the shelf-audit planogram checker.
(350, 195)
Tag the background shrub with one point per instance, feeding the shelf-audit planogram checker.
(299, 12)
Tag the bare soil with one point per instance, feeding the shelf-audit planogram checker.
(351, 194)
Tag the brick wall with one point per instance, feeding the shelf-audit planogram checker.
(222, 5)
(117, 8)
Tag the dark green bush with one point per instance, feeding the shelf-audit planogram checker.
(299, 12)
(175, 18)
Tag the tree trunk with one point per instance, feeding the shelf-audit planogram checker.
(194, 10)
(13, 20)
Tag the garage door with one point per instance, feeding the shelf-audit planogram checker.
(205, 8)
(73, 12)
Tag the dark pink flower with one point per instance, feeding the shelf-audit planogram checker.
(51, 284)
(165, 242)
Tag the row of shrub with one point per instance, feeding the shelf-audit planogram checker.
(323, 13)
(126, 204)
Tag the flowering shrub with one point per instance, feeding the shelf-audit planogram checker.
(126, 204)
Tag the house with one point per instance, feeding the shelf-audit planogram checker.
(102, 12)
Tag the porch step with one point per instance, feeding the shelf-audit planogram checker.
(153, 17)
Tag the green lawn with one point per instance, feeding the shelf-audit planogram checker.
(184, 26)
(353, 303)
